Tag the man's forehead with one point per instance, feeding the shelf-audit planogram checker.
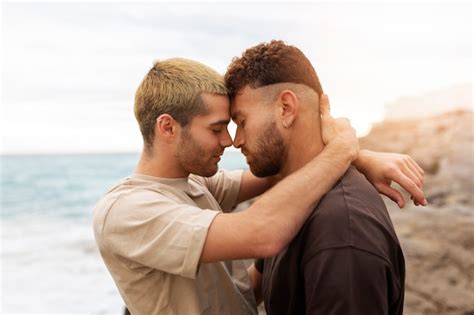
(238, 107)
(246, 91)
(242, 97)
(215, 102)
(213, 97)
(247, 99)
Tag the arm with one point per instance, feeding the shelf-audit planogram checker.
(383, 168)
(266, 227)
(256, 282)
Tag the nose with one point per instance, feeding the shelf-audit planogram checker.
(226, 140)
(239, 138)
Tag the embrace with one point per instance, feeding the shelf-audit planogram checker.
(319, 233)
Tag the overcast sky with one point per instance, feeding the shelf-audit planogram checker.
(69, 71)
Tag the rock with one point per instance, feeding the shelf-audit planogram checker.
(443, 146)
(438, 240)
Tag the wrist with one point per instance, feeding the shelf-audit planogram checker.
(347, 147)
(344, 149)
(361, 161)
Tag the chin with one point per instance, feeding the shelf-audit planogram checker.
(257, 172)
(208, 172)
(262, 172)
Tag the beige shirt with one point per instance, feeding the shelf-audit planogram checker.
(151, 231)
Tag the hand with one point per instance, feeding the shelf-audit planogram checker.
(337, 130)
(383, 168)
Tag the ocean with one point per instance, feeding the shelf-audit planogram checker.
(49, 260)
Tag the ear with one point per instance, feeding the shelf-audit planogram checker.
(166, 126)
(289, 107)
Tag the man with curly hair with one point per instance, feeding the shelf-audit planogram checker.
(346, 259)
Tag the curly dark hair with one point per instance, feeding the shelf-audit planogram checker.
(270, 63)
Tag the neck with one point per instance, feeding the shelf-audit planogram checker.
(159, 165)
(304, 144)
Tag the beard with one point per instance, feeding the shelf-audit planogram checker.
(193, 158)
(269, 155)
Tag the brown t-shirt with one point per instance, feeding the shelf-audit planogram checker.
(345, 260)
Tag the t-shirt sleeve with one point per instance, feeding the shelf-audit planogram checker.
(346, 281)
(224, 186)
(154, 230)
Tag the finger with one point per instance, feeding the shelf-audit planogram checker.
(344, 123)
(345, 120)
(391, 193)
(411, 174)
(416, 169)
(324, 106)
(407, 184)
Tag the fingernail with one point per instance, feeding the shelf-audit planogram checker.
(425, 202)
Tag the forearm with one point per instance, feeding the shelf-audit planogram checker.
(283, 209)
(256, 283)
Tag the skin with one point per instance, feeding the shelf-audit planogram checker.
(196, 148)
(204, 141)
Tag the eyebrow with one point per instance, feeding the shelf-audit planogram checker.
(221, 122)
(236, 114)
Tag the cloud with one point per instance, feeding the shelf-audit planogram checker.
(88, 58)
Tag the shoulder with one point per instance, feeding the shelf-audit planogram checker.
(352, 185)
(352, 193)
(128, 199)
(352, 213)
(128, 192)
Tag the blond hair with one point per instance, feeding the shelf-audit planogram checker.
(174, 86)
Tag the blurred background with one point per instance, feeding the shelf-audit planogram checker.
(402, 72)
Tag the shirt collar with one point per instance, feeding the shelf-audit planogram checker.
(182, 183)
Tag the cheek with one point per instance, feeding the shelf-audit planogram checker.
(209, 142)
(252, 135)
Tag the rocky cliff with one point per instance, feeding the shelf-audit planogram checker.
(438, 240)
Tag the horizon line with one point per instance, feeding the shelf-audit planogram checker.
(112, 152)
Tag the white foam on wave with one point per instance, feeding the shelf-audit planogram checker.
(51, 266)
